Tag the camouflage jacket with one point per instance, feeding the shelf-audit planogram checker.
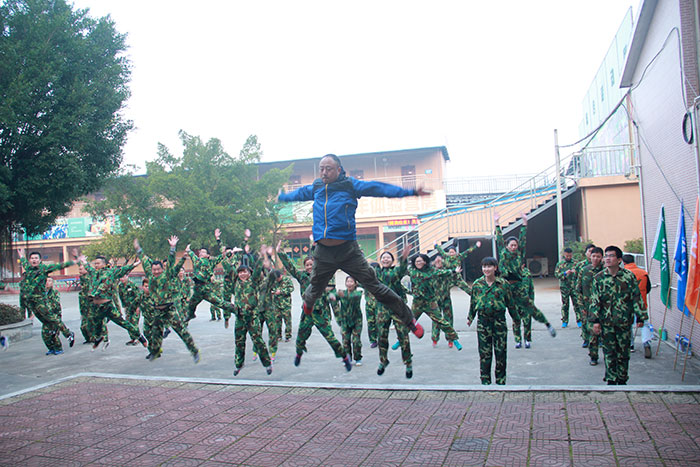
(84, 286)
(164, 288)
(565, 280)
(584, 282)
(578, 267)
(391, 277)
(268, 294)
(129, 294)
(246, 292)
(34, 282)
(511, 265)
(350, 307)
(203, 268)
(103, 281)
(424, 282)
(490, 301)
(184, 289)
(322, 305)
(452, 262)
(615, 299)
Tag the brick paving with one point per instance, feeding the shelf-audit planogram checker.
(104, 421)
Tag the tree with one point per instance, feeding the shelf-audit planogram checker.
(191, 195)
(63, 84)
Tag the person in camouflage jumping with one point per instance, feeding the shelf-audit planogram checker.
(49, 334)
(511, 261)
(490, 296)
(276, 298)
(584, 288)
(214, 310)
(130, 296)
(203, 266)
(391, 276)
(615, 302)
(351, 319)
(35, 300)
(102, 284)
(320, 317)
(245, 292)
(164, 292)
(566, 273)
(424, 286)
(371, 315)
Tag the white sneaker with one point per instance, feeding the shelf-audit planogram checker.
(358, 362)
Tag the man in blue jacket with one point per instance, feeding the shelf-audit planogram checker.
(335, 202)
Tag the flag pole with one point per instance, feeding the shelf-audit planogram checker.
(680, 330)
(663, 321)
(692, 326)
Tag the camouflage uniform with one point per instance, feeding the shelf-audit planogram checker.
(184, 293)
(130, 296)
(246, 301)
(513, 270)
(102, 282)
(578, 298)
(320, 317)
(567, 288)
(391, 277)
(371, 315)
(266, 312)
(280, 303)
(85, 307)
(490, 303)
(49, 332)
(584, 288)
(351, 322)
(36, 300)
(165, 298)
(424, 289)
(615, 302)
(202, 271)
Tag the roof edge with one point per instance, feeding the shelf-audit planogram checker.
(641, 29)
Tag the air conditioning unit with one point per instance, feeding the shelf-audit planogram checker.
(538, 266)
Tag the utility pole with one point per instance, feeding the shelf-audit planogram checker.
(560, 215)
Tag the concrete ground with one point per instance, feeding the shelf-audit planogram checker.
(553, 363)
(115, 408)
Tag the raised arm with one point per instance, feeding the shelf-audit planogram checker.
(289, 266)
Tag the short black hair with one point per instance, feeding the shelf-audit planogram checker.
(102, 258)
(510, 239)
(157, 263)
(34, 253)
(275, 274)
(589, 246)
(627, 258)
(205, 248)
(614, 249)
(568, 250)
(489, 261)
(597, 249)
(243, 267)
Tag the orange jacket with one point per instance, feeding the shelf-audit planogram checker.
(642, 279)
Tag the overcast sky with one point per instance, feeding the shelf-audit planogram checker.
(489, 80)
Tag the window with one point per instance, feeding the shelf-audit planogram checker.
(408, 177)
(358, 174)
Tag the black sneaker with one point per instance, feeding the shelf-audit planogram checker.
(236, 371)
(381, 368)
(166, 333)
(647, 351)
(409, 372)
(96, 344)
(347, 363)
(269, 370)
(632, 348)
(71, 339)
(297, 359)
(143, 341)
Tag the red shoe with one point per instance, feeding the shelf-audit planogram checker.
(307, 310)
(434, 343)
(417, 329)
(450, 344)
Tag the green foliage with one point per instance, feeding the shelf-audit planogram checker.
(63, 84)
(635, 245)
(193, 194)
(10, 314)
(579, 249)
(119, 246)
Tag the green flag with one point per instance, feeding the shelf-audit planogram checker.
(661, 255)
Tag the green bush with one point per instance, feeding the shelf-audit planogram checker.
(634, 246)
(579, 249)
(10, 314)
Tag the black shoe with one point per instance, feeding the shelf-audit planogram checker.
(647, 351)
(409, 372)
(381, 368)
(269, 370)
(149, 356)
(347, 362)
(71, 339)
(297, 359)
(585, 344)
(143, 341)
(632, 348)
(612, 383)
(96, 344)
(87, 342)
(166, 333)
(236, 371)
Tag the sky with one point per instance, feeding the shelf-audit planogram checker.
(488, 80)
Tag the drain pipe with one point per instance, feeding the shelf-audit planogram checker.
(560, 215)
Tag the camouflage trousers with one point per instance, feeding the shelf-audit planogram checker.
(51, 323)
(421, 306)
(85, 309)
(207, 291)
(616, 352)
(384, 319)
(162, 318)
(284, 316)
(215, 312)
(371, 315)
(107, 311)
(492, 335)
(352, 337)
(268, 316)
(568, 295)
(588, 336)
(322, 322)
(523, 293)
(247, 323)
(132, 314)
(444, 307)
